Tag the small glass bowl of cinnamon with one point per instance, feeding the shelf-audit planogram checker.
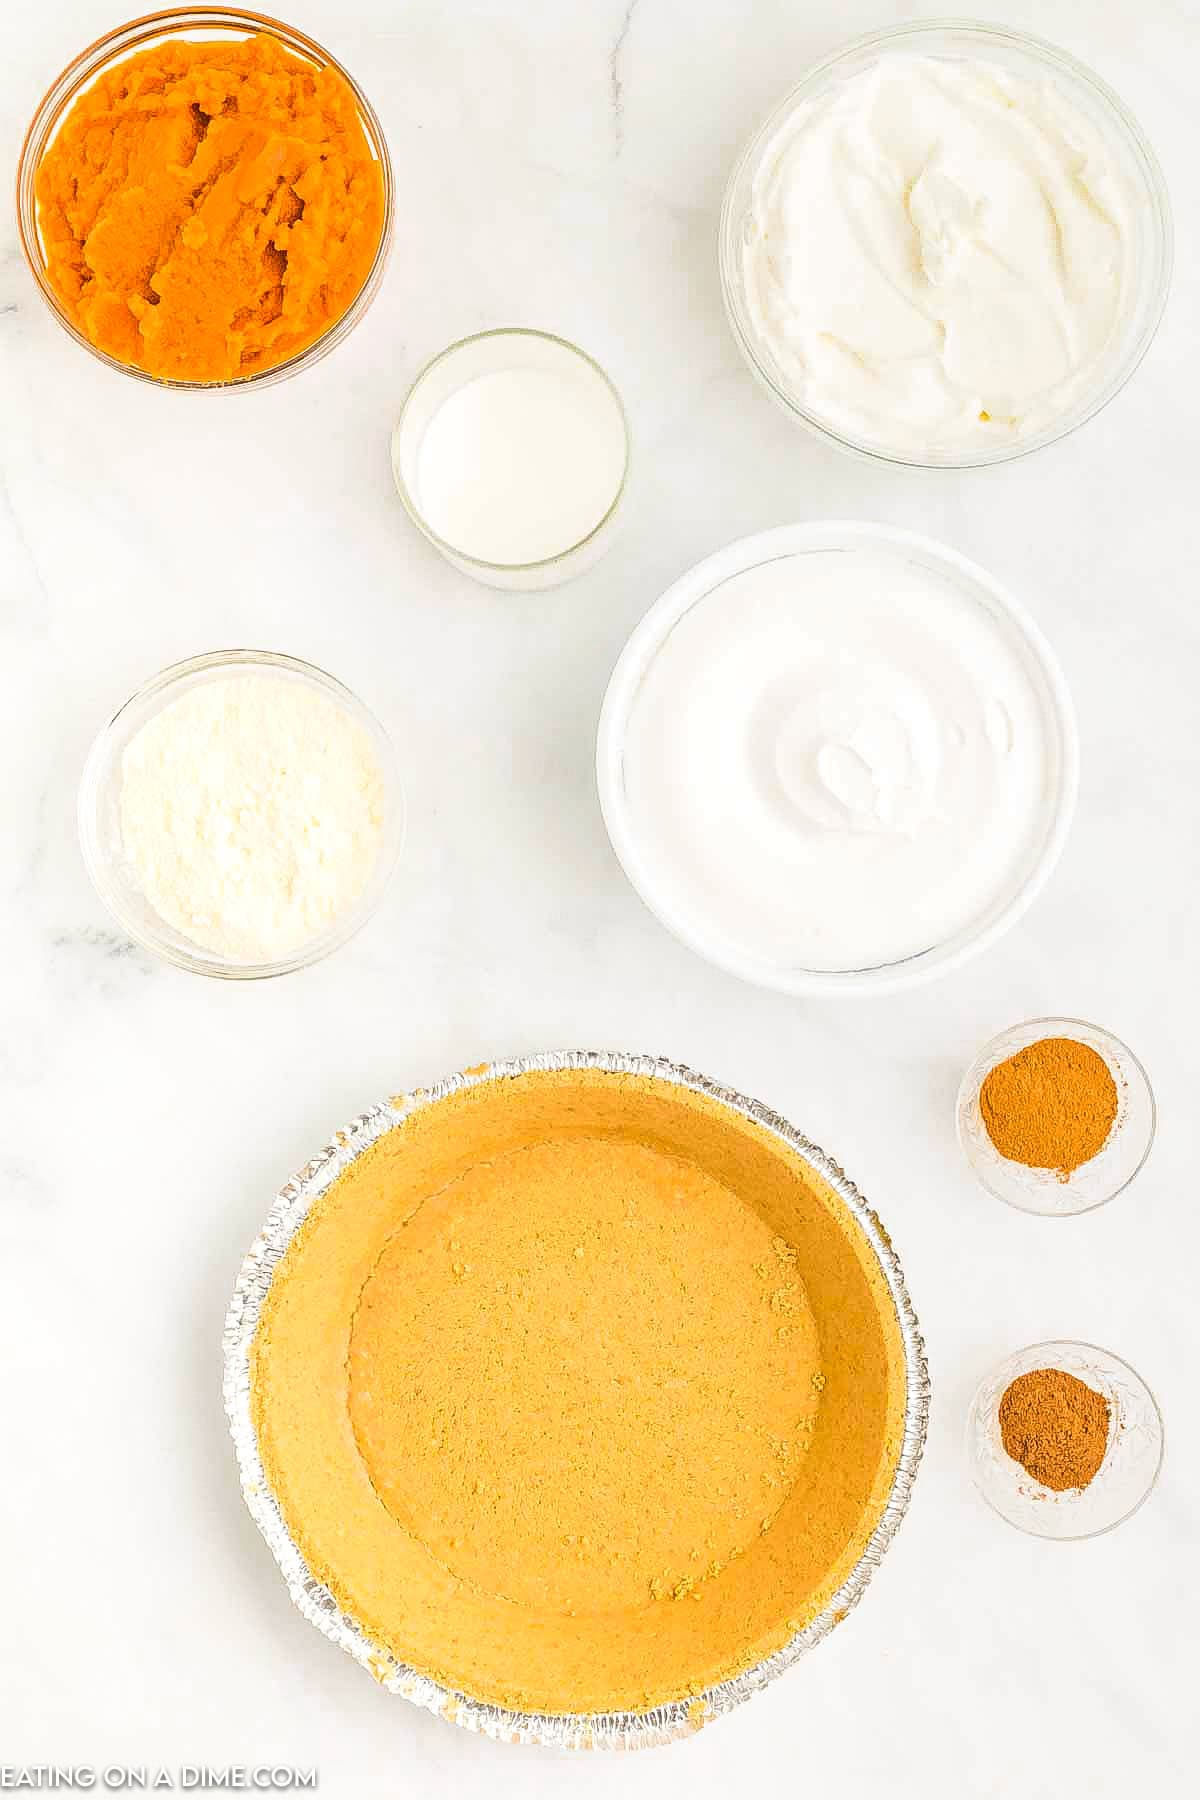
(1064, 1440)
(1056, 1116)
(280, 341)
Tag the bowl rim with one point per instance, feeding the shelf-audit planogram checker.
(463, 558)
(98, 764)
(1060, 61)
(1049, 1346)
(110, 49)
(612, 1730)
(972, 1080)
(643, 646)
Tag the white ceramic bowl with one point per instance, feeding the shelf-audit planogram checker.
(100, 824)
(1019, 54)
(748, 553)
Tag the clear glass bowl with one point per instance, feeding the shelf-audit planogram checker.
(100, 827)
(975, 584)
(1020, 54)
(487, 353)
(1093, 1183)
(199, 23)
(1131, 1462)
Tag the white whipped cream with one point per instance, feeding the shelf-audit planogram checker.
(837, 760)
(938, 255)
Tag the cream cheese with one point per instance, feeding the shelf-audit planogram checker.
(837, 760)
(938, 255)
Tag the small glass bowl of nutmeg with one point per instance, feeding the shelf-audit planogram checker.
(1064, 1440)
(1056, 1116)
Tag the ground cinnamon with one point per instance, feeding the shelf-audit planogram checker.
(1051, 1106)
(1055, 1426)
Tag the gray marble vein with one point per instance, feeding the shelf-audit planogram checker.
(616, 74)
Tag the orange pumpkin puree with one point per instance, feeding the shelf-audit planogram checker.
(210, 209)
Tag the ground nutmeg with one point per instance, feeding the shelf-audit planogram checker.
(1055, 1426)
(1051, 1106)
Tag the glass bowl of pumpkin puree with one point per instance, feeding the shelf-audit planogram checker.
(205, 199)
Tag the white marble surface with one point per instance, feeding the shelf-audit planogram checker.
(562, 166)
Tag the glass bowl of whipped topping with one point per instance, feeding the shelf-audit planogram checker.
(949, 246)
(837, 758)
(241, 815)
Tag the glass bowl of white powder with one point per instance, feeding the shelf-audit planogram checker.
(241, 814)
(950, 245)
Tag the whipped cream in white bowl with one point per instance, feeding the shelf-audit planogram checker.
(951, 244)
(837, 758)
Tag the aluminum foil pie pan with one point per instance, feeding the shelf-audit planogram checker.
(613, 1730)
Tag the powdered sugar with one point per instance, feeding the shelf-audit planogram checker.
(252, 812)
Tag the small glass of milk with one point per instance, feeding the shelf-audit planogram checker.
(511, 454)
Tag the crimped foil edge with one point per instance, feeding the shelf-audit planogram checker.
(613, 1730)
